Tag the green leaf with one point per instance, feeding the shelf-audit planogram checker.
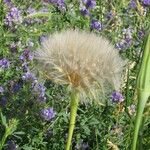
(19, 133)
(86, 130)
(3, 118)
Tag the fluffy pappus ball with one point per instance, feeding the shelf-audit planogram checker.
(85, 61)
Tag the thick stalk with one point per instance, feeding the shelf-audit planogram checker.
(140, 144)
(73, 114)
(142, 99)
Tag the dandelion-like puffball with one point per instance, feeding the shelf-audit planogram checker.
(83, 60)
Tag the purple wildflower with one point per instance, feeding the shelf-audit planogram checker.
(28, 76)
(39, 91)
(6, 1)
(84, 1)
(110, 15)
(11, 145)
(91, 4)
(141, 34)
(30, 20)
(42, 38)
(26, 55)
(13, 16)
(44, 9)
(120, 45)
(128, 41)
(31, 10)
(146, 2)
(59, 3)
(132, 4)
(48, 114)
(4, 63)
(3, 102)
(96, 25)
(13, 47)
(128, 32)
(1, 90)
(16, 87)
(25, 67)
(84, 11)
(117, 97)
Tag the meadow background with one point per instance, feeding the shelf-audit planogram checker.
(35, 113)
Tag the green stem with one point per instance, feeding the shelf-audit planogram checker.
(140, 145)
(73, 114)
(142, 99)
(3, 141)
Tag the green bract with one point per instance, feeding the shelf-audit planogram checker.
(143, 88)
(143, 82)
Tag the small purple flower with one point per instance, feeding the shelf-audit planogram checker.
(25, 67)
(4, 63)
(117, 97)
(8, 2)
(84, 11)
(13, 16)
(91, 4)
(96, 25)
(128, 41)
(28, 76)
(39, 91)
(1, 90)
(48, 114)
(110, 15)
(42, 38)
(59, 3)
(11, 145)
(31, 10)
(84, 1)
(128, 32)
(146, 2)
(22, 58)
(120, 45)
(124, 43)
(13, 47)
(16, 87)
(3, 102)
(26, 55)
(141, 34)
(132, 4)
